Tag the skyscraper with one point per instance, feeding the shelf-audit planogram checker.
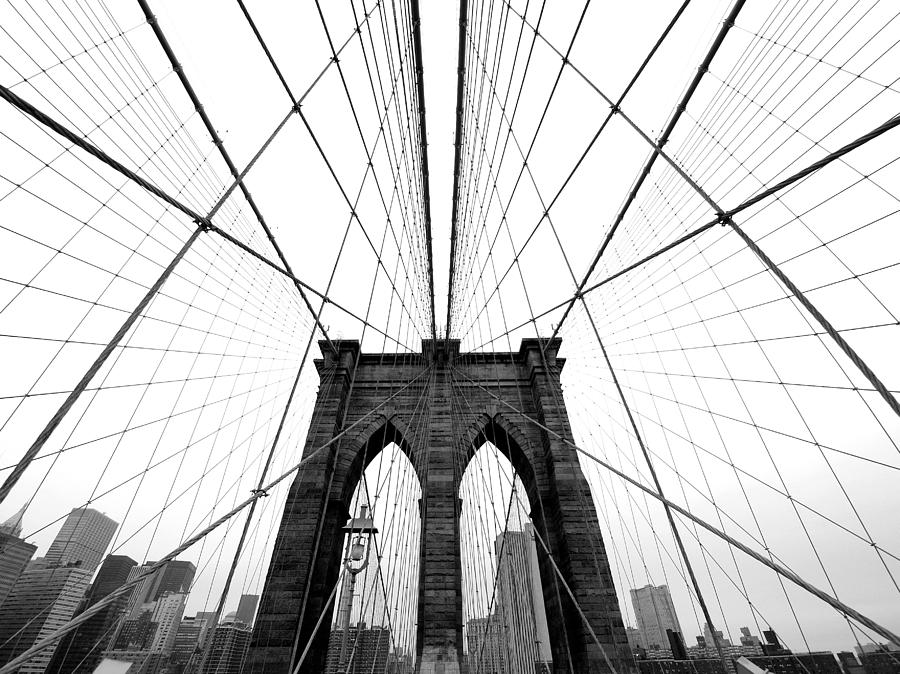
(43, 599)
(14, 555)
(175, 577)
(708, 635)
(81, 650)
(247, 608)
(520, 601)
(367, 650)
(84, 537)
(167, 613)
(486, 644)
(655, 614)
(189, 640)
(228, 650)
(49, 591)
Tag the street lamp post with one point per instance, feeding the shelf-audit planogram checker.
(360, 529)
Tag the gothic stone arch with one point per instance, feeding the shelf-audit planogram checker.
(306, 558)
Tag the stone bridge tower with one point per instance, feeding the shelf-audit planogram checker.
(308, 550)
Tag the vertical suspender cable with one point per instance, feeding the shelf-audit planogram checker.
(457, 150)
(211, 130)
(423, 148)
(663, 139)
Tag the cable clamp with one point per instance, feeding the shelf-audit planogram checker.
(262, 493)
(724, 219)
(615, 108)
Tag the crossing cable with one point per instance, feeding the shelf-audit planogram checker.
(414, 178)
(477, 106)
(101, 386)
(131, 250)
(602, 127)
(259, 489)
(133, 133)
(799, 413)
(70, 400)
(663, 139)
(416, 440)
(457, 161)
(460, 395)
(418, 179)
(226, 157)
(203, 224)
(558, 573)
(778, 568)
(369, 153)
(543, 116)
(295, 102)
(726, 218)
(346, 397)
(727, 461)
(540, 503)
(423, 149)
(52, 638)
(613, 109)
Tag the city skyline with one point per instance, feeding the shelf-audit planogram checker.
(593, 306)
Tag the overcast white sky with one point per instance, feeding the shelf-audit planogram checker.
(726, 377)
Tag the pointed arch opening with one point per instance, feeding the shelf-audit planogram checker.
(504, 613)
(373, 624)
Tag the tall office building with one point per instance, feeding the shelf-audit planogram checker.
(520, 601)
(84, 537)
(81, 650)
(186, 650)
(486, 645)
(247, 608)
(367, 650)
(14, 555)
(43, 599)
(167, 614)
(175, 577)
(655, 614)
(228, 649)
(633, 635)
(209, 623)
(50, 590)
(708, 636)
(153, 615)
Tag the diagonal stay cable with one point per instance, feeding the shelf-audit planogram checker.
(50, 639)
(217, 141)
(663, 139)
(295, 102)
(203, 222)
(580, 161)
(423, 149)
(778, 568)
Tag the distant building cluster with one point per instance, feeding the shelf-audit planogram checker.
(144, 626)
(659, 647)
(365, 650)
(513, 638)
